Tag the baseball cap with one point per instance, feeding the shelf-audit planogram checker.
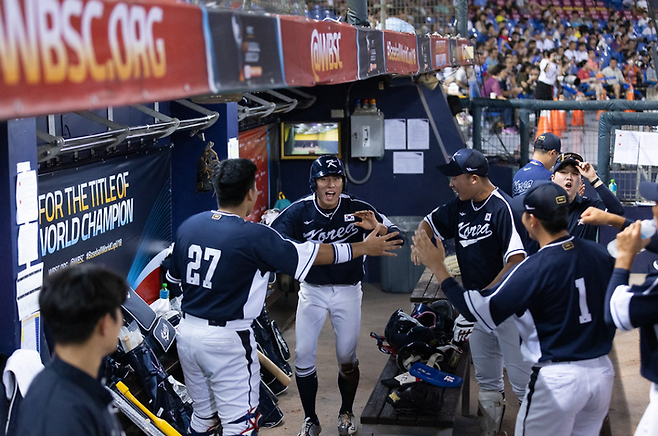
(649, 190)
(565, 159)
(468, 161)
(542, 200)
(548, 141)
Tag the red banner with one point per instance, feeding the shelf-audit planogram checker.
(59, 56)
(318, 52)
(464, 54)
(253, 146)
(401, 52)
(439, 47)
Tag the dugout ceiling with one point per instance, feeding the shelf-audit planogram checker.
(59, 57)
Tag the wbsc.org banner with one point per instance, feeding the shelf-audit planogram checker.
(116, 212)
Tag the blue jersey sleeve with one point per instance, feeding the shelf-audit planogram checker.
(632, 306)
(609, 200)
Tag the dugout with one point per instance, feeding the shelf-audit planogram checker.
(105, 137)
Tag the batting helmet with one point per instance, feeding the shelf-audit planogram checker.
(323, 166)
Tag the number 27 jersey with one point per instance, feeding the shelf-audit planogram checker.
(221, 262)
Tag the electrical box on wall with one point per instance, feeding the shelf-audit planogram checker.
(367, 138)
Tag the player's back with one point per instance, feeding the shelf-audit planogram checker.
(568, 279)
(220, 260)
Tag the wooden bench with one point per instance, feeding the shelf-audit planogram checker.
(428, 289)
(379, 417)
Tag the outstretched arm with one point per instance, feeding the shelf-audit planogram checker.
(373, 245)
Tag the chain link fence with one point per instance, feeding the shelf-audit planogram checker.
(579, 132)
(426, 16)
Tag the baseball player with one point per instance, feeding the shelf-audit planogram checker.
(221, 262)
(487, 245)
(329, 215)
(637, 305)
(557, 299)
(546, 150)
(569, 170)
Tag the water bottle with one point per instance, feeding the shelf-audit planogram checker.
(162, 305)
(647, 229)
(613, 187)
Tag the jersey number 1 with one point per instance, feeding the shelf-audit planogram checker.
(195, 253)
(585, 316)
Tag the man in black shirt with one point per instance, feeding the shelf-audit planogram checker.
(81, 305)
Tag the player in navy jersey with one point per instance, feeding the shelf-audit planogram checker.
(329, 215)
(557, 298)
(221, 262)
(546, 150)
(487, 245)
(568, 172)
(636, 306)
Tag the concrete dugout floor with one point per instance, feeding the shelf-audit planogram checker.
(630, 396)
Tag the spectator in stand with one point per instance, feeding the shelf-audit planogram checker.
(614, 78)
(397, 19)
(649, 32)
(493, 88)
(570, 53)
(548, 71)
(547, 42)
(529, 82)
(632, 71)
(492, 59)
(581, 53)
(588, 80)
(643, 20)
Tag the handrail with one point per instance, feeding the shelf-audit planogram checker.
(118, 133)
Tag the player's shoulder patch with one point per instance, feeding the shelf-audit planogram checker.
(568, 245)
(216, 216)
(348, 217)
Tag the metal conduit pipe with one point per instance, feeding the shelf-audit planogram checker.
(607, 123)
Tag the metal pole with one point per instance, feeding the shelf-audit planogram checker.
(462, 18)
(524, 129)
(477, 127)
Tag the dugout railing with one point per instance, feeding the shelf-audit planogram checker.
(593, 139)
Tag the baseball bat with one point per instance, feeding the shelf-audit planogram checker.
(159, 422)
(272, 368)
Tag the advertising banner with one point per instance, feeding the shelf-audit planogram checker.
(116, 212)
(244, 51)
(440, 51)
(58, 56)
(253, 146)
(370, 44)
(318, 52)
(424, 53)
(464, 52)
(401, 52)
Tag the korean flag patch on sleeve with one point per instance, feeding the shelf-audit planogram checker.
(349, 218)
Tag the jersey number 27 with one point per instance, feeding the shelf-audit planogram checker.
(195, 254)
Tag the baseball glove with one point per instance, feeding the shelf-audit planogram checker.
(205, 167)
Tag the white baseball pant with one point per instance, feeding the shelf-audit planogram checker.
(222, 373)
(566, 398)
(648, 425)
(492, 351)
(343, 304)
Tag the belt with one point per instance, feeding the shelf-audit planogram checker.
(211, 322)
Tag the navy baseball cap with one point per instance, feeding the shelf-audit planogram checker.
(548, 141)
(542, 200)
(565, 159)
(467, 161)
(649, 190)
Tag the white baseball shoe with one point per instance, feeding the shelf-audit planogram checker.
(346, 424)
(309, 428)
